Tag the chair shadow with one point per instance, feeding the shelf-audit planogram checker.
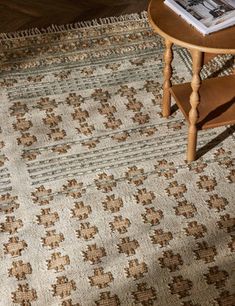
(215, 141)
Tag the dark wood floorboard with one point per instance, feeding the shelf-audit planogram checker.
(24, 14)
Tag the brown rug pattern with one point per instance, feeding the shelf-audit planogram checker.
(97, 204)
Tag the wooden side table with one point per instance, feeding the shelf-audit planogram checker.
(205, 104)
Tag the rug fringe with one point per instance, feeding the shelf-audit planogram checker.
(73, 26)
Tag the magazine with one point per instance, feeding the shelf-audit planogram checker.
(206, 16)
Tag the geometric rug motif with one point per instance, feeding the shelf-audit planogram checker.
(97, 203)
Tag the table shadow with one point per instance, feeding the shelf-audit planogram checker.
(215, 141)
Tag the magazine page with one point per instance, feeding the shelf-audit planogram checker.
(206, 15)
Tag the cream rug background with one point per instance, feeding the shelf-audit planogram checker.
(97, 205)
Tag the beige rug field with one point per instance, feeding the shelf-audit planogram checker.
(97, 204)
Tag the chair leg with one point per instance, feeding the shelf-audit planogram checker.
(197, 58)
(168, 57)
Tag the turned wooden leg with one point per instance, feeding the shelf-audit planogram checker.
(206, 57)
(168, 57)
(197, 58)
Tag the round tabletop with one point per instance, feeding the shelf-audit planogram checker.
(174, 28)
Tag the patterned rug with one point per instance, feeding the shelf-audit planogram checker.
(97, 204)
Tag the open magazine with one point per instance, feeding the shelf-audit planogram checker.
(206, 16)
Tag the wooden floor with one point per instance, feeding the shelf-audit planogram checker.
(23, 14)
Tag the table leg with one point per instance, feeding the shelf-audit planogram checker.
(197, 59)
(168, 57)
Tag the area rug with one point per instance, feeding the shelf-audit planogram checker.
(97, 203)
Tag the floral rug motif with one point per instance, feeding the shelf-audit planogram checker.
(97, 204)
